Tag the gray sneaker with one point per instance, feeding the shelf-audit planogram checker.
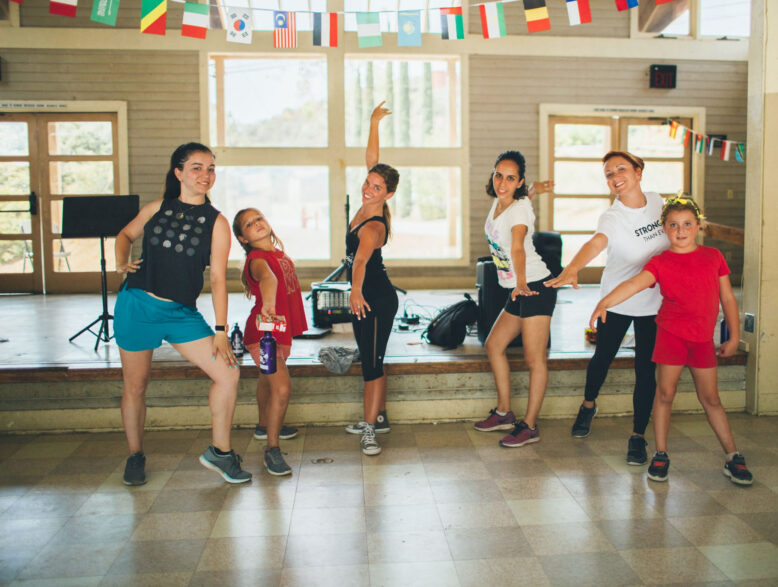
(134, 470)
(286, 433)
(583, 422)
(381, 425)
(275, 463)
(228, 466)
(368, 442)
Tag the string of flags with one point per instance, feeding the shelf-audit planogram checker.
(702, 143)
(239, 25)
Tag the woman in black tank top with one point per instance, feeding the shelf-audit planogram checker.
(373, 300)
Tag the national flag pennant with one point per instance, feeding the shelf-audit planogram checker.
(63, 7)
(451, 24)
(195, 23)
(105, 11)
(325, 29)
(626, 4)
(284, 30)
(409, 28)
(578, 12)
(687, 137)
(536, 13)
(711, 145)
(369, 29)
(740, 152)
(699, 143)
(17, 1)
(663, 1)
(240, 26)
(492, 20)
(673, 128)
(153, 16)
(725, 148)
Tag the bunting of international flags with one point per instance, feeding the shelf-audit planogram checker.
(700, 142)
(239, 22)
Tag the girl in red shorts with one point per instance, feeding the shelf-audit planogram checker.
(693, 280)
(269, 276)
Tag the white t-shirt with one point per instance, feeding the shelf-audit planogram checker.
(499, 237)
(634, 236)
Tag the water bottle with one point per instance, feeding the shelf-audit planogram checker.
(236, 340)
(724, 331)
(267, 354)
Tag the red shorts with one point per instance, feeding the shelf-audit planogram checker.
(282, 352)
(670, 349)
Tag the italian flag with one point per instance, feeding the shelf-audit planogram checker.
(492, 20)
(153, 15)
(63, 7)
(195, 23)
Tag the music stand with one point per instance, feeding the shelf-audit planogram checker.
(97, 216)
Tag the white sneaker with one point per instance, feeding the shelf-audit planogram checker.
(368, 442)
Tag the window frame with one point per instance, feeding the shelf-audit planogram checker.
(695, 24)
(338, 157)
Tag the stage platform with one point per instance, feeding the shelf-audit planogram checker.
(50, 384)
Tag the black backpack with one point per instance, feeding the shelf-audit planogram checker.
(449, 327)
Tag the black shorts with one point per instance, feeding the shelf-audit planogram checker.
(528, 306)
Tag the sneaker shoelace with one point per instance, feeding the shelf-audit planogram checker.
(368, 433)
(276, 456)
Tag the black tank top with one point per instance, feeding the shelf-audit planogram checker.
(376, 284)
(176, 251)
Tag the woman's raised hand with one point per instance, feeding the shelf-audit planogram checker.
(379, 112)
(540, 187)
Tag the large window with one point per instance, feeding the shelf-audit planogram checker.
(294, 149)
(715, 18)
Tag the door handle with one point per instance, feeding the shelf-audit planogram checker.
(33, 204)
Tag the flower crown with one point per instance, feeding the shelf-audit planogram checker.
(680, 202)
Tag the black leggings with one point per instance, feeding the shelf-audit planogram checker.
(609, 337)
(372, 335)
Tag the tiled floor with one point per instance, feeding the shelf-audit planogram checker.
(442, 505)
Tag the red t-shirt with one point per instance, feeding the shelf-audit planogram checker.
(289, 297)
(689, 283)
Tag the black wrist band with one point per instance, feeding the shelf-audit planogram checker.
(221, 328)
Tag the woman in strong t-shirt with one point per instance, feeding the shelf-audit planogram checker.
(632, 233)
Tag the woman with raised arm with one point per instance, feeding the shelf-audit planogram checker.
(182, 235)
(373, 299)
(631, 232)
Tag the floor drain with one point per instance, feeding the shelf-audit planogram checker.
(323, 461)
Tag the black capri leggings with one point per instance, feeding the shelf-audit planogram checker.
(372, 335)
(609, 337)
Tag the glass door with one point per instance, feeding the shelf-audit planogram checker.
(44, 158)
(20, 230)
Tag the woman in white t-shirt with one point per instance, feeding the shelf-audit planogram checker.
(528, 311)
(631, 231)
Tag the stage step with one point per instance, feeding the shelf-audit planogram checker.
(440, 389)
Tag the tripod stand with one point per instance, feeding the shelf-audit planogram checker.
(98, 217)
(104, 333)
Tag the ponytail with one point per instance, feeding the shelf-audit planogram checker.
(388, 218)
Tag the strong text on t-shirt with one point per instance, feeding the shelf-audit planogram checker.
(650, 231)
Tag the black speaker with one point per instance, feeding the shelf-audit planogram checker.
(492, 297)
(330, 301)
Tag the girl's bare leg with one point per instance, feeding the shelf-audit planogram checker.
(534, 337)
(706, 385)
(505, 329)
(667, 377)
(136, 368)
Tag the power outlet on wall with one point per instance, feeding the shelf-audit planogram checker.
(748, 325)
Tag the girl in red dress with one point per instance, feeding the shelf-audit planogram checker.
(270, 277)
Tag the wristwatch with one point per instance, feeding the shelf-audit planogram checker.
(220, 328)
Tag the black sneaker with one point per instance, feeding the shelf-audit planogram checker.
(275, 463)
(287, 432)
(737, 472)
(583, 422)
(636, 450)
(657, 470)
(134, 470)
(381, 425)
(228, 465)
